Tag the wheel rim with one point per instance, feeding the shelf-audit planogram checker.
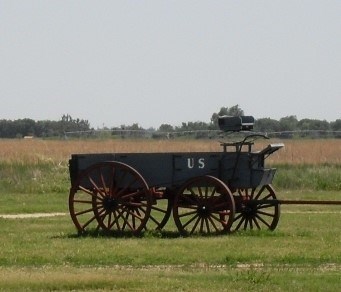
(112, 196)
(160, 212)
(204, 205)
(255, 209)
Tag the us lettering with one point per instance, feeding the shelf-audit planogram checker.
(200, 163)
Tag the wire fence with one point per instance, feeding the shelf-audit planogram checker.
(196, 134)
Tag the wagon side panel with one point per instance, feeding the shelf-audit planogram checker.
(155, 168)
(189, 165)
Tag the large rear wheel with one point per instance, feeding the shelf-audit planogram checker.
(111, 196)
(204, 205)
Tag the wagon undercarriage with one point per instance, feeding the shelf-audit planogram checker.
(114, 197)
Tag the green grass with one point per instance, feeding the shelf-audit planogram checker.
(320, 177)
(302, 254)
(40, 177)
(51, 177)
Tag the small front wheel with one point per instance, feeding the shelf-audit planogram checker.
(256, 208)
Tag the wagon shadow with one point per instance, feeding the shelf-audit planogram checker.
(167, 234)
(124, 234)
(153, 234)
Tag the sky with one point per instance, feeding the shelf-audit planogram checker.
(166, 62)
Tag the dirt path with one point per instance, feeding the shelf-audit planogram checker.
(33, 215)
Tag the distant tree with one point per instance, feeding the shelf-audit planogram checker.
(336, 126)
(267, 125)
(193, 126)
(311, 124)
(24, 127)
(166, 128)
(68, 124)
(132, 131)
(6, 129)
(288, 123)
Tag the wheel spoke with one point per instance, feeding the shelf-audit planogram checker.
(126, 187)
(240, 223)
(96, 187)
(207, 226)
(120, 179)
(188, 213)
(256, 223)
(87, 191)
(103, 183)
(111, 182)
(223, 222)
(245, 223)
(238, 216)
(157, 209)
(126, 222)
(261, 219)
(190, 220)
(206, 192)
(191, 199)
(116, 221)
(267, 197)
(199, 192)
(195, 225)
(213, 224)
(202, 225)
(250, 223)
(265, 206)
(259, 192)
(154, 220)
(133, 194)
(265, 214)
(82, 201)
(84, 212)
(88, 222)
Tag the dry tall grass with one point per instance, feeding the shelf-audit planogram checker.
(59, 151)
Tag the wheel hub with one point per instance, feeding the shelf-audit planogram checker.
(203, 211)
(110, 204)
(249, 211)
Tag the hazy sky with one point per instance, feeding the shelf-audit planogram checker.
(154, 62)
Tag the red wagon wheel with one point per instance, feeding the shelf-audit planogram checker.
(204, 205)
(112, 196)
(256, 208)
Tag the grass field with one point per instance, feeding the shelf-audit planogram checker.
(302, 254)
(44, 254)
(59, 151)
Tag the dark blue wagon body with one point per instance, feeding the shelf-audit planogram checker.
(245, 170)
